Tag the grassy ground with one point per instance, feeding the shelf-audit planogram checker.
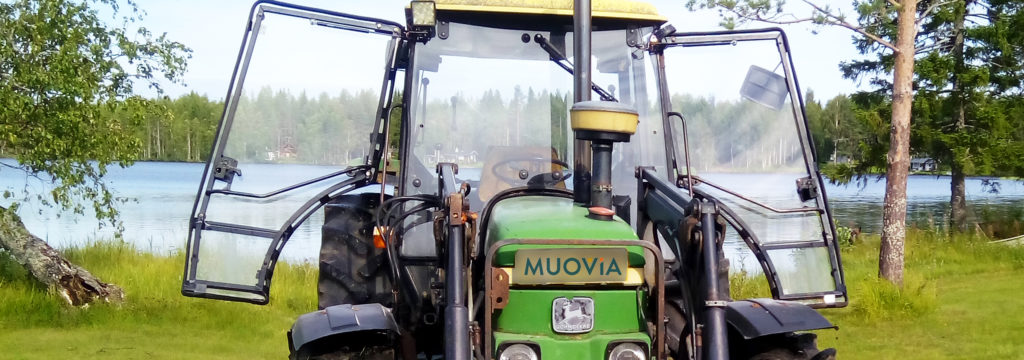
(156, 322)
(962, 300)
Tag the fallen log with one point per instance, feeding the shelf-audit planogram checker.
(71, 282)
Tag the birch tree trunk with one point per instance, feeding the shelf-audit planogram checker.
(894, 211)
(74, 284)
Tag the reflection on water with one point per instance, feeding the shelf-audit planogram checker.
(157, 221)
(928, 201)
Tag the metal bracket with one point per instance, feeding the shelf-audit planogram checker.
(499, 289)
(632, 36)
(664, 31)
(471, 228)
(226, 169)
(633, 41)
(455, 167)
(442, 30)
(455, 209)
(709, 207)
(716, 303)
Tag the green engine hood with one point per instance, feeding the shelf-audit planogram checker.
(550, 217)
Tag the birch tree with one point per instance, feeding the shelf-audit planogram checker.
(65, 74)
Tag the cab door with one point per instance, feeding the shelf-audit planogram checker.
(740, 137)
(303, 123)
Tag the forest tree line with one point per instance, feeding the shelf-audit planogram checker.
(850, 132)
(276, 123)
(180, 129)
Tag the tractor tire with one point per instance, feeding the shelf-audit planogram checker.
(348, 353)
(352, 270)
(677, 331)
(790, 346)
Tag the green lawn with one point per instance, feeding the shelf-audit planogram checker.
(962, 300)
(156, 322)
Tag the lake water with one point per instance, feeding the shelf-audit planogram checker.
(164, 193)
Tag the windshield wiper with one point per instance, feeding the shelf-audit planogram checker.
(564, 63)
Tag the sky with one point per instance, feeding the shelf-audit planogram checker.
(214, 29)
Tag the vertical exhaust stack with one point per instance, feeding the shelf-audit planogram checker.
(581, 92)
(597, 125)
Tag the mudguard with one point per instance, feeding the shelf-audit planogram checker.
(341, 319)
(759, 317)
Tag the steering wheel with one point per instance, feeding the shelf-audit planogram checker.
(545, 179)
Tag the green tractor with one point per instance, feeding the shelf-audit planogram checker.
(468, 199)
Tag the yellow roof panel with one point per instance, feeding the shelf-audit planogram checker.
(618, 9)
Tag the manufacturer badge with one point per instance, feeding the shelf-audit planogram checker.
(572, 316)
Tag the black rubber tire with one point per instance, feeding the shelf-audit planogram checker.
(352, 270)
(787, 354)
(677, 336)
(348, 353)
(790, 346)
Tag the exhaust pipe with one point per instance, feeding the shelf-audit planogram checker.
(581, 92)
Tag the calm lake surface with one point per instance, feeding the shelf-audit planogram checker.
(157, 219)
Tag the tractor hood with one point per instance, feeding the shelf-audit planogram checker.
(550, 217)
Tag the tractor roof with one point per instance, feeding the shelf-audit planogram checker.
(614, 10)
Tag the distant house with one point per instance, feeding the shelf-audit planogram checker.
(841, 159)
(923, 164)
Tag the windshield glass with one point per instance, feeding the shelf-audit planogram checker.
(749, 150)
(493, 104)
(492, 101)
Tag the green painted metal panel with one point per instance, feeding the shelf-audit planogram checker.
(550, 217)
(529, 312)
(578, 347)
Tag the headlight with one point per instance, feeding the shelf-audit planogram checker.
(518, 352)
(627, 351)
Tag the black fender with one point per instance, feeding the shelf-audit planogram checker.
(343, 321)
(754, 318)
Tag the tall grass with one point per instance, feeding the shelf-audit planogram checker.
(744, 285)
(154, 304)
(956, 287)
(152, 287)
(961, 298)
(931, 255)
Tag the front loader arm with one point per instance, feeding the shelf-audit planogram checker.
(685, 222)
(456, 312)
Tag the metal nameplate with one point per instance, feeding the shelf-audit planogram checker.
(570, 266)
(572, 316)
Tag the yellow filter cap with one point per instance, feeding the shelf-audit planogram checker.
(604, 116)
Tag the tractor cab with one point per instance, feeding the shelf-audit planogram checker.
(542, 207)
